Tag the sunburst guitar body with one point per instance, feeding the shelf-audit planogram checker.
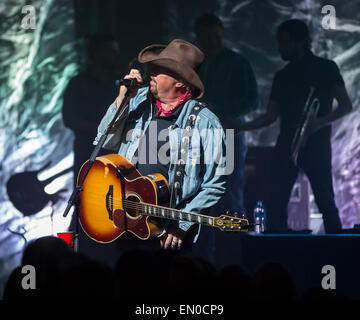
(115, 198)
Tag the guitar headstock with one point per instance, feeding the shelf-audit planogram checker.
(226, 222)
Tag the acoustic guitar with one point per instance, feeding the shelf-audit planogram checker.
(116, 198)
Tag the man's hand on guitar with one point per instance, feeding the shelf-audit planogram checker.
(173, 238)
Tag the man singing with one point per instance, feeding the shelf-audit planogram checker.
(164, 107)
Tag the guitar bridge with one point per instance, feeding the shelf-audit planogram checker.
(109, 202)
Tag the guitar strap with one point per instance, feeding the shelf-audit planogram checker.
(183, 153)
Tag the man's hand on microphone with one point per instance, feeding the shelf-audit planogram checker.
(134, 74)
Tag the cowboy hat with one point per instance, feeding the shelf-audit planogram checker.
(178, 56)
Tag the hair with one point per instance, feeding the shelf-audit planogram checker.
(208, 20)
(297, 30)
(187, 86)
(95, 42)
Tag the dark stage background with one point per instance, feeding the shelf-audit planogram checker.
(37, 64)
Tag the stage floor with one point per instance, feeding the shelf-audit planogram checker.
(303, 256)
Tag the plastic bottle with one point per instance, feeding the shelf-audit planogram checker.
(259, 217)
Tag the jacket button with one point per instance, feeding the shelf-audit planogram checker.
(185, 139)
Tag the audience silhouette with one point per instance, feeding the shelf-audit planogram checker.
(272, 281)
(143, 274)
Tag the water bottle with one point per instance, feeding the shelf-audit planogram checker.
(259, 217)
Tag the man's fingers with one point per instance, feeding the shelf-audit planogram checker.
(134, 73)
(172, 238)
(176, 243)
(167, 240)
(163, 240)
(170, 241)
(179, 244)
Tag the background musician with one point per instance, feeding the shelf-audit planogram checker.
(290, 89)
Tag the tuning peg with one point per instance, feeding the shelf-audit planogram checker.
(228, 212)
(235, 214)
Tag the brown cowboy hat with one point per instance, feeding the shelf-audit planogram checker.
(178, 56)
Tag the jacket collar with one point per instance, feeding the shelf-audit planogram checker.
(184, 114)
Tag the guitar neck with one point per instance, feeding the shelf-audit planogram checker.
(169, 213)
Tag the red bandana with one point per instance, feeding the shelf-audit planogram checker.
(187, 95)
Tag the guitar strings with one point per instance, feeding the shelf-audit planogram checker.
(167, 213)
(163, 211)
(119, 201)
(160, 212)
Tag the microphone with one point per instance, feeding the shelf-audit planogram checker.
(128, 82)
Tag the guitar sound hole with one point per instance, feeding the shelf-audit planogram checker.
(131, 206)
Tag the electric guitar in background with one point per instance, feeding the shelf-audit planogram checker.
(116, 198)
(310, 112)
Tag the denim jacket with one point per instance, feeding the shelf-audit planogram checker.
(204, 180)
